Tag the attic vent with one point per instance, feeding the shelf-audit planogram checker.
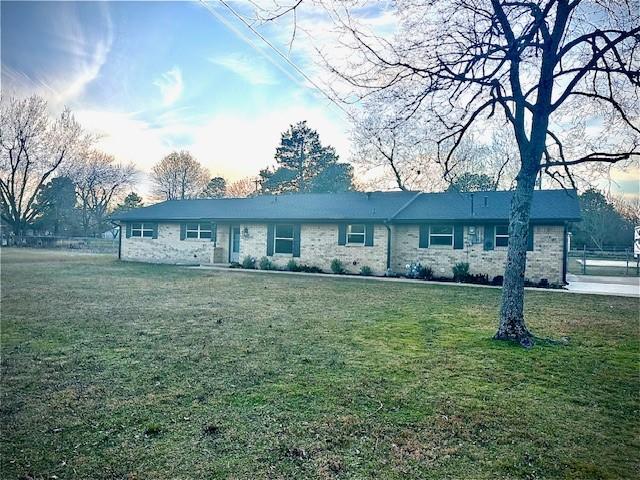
(486, 201)
(368, 195)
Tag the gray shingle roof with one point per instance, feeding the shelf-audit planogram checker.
(396, 207)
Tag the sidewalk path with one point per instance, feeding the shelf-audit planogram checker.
(620, 286)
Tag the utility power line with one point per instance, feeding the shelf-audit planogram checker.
(272, 47)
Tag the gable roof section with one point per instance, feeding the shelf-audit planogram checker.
(547, 205)
(392, 207)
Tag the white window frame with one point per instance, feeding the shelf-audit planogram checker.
(440, 235)
(350, 233)
(140, 232)
(496, 236)
(198, 231)
(276, 238)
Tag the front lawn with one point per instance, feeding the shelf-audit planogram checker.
(121, 370)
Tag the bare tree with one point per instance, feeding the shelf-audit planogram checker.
(178, 176)
(99, 182)
(32, 148)
(628, 208)
(550, 70)
(245, 187)
(394, 153)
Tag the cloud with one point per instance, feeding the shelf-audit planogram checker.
(170, 85)
(252, 71)
(85, 53)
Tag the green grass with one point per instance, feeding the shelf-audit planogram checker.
(120, 370)
(575, 267)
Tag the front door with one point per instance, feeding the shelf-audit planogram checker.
(235, 244)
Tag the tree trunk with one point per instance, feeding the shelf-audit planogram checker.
(512, 325)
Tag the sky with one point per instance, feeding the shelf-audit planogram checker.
(153, 77)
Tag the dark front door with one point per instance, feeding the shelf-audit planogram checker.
(235, 244)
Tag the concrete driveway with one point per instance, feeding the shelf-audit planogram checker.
(621, 286)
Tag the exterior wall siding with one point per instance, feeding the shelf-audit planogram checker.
(319, 246)
(168, 248)
(545, 261)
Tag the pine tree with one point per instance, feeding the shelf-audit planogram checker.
(305, 165)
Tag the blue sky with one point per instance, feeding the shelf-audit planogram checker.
(151, 77)
(154, 76)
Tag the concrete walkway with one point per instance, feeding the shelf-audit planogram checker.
(593, 284)
(624, 290)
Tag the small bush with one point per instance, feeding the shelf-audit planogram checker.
(460, 271)
(366, 271)
(249, 262)
(424, 273)
(478, 279)
(293, 266)
(498, 280)
(337, 266)
(544, 283)
(310, 269)
(266, 264)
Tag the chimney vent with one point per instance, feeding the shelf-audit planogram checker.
(486, 201)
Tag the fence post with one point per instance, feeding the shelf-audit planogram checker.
(626, 250)
(584, 259)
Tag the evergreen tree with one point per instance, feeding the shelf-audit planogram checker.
(472, 182)
(216, 188)
(601, 224)
(131, 201)
(305, 165)
(56, 203)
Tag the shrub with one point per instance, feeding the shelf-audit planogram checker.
(478, 278)
(310, 269)
(544, 283)
(497, 280)
(293, 266)
(424, 273)
(266, 264)
(366, 271)
(461, 271)
(337, 266)
(412, 269)
(249, 262)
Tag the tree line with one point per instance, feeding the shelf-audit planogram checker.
(303, 164)
(52, 176)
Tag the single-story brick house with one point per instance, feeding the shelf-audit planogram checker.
(382, 230)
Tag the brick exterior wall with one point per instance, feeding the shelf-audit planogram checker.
(545, 261)
(319, 245)
(168, 248)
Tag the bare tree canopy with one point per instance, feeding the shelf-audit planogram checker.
(245, 187)
(32, 148)
(99, 181)
(179, 176)
(563, 75)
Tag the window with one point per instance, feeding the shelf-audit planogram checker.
(355, 234)
(283, 239)
(142, 230)
(441, 235)
(502, 235)
(198, 230)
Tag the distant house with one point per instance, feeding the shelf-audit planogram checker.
(382, 230)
